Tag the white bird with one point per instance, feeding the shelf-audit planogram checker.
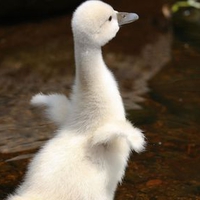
(88, 156)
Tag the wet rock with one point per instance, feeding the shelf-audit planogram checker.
(154, 183)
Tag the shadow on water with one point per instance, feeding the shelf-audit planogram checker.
(159, 77)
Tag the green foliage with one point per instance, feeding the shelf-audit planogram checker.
(188, 3)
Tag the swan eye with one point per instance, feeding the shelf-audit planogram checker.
(110, 18)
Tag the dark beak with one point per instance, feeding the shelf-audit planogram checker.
(126, 18)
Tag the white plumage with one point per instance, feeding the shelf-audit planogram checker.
(88, 156)
(57, 106)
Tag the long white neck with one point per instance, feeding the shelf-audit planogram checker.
(95, 95)
(89, 65)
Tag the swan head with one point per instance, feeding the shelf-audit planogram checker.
(96, 23)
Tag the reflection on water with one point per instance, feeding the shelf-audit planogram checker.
(134, 72)
(159, 83)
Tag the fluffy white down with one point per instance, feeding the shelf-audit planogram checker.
(88, 156)
(57, 106)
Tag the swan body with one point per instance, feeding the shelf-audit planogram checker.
(88, 156)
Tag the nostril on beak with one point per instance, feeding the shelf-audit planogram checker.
(126, 18)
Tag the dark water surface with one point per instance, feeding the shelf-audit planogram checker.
(159, 76)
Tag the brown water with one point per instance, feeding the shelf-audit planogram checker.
(159, 77)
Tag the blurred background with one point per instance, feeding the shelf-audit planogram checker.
(156, 61)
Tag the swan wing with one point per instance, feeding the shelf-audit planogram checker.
(124, 129)
(56, 105)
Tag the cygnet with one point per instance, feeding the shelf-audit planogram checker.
(87, 157)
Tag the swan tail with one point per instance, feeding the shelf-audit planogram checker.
(56, 106)
(109, 132)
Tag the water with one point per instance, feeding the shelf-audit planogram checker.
(158, 71)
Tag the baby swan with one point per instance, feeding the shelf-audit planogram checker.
(88, 156)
